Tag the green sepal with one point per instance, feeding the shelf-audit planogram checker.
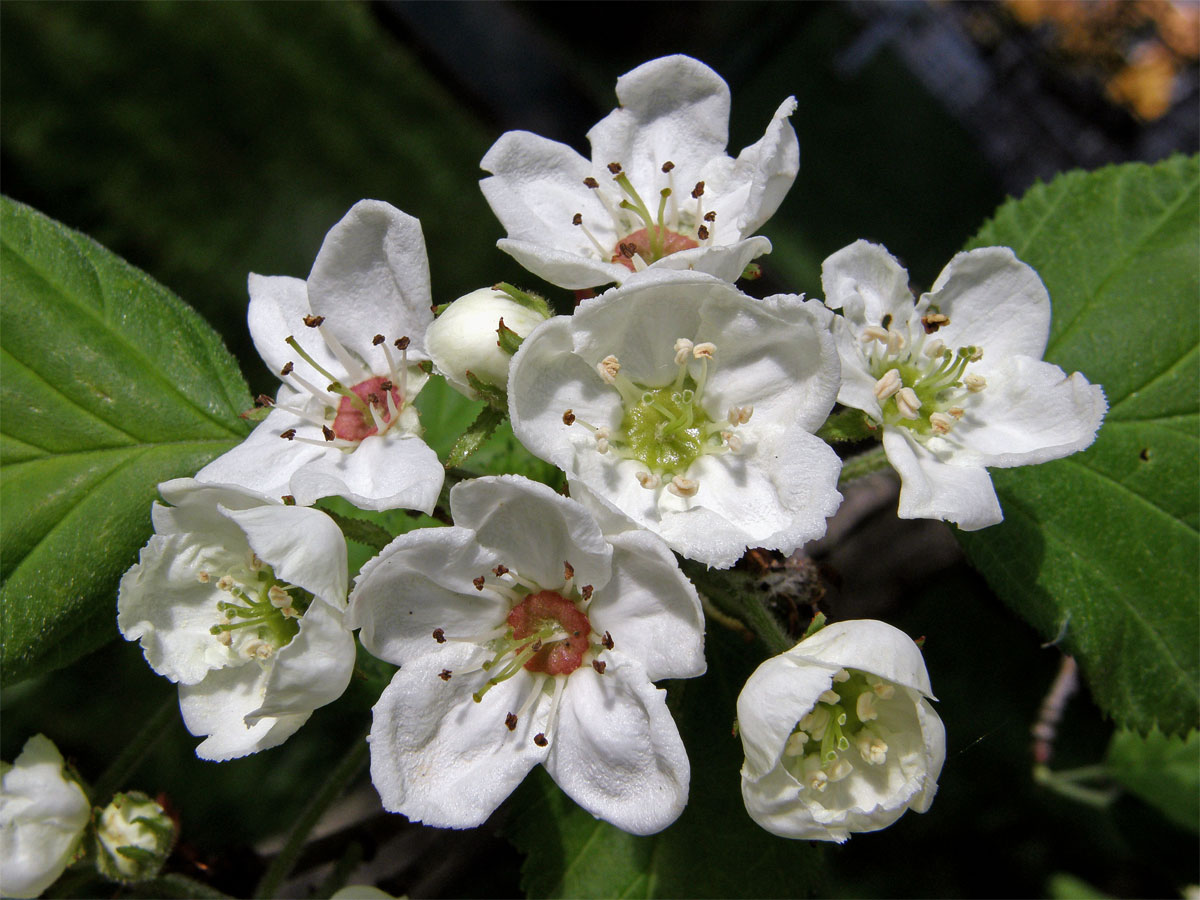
(494, 396)
(526, 299)
(507, 339)
(472, 439)
(752, 272)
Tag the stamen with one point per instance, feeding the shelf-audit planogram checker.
(648, 480)
(683, 487)
(609, 368)
(352, 366)
(907, 402)
(864, 707)
(704, 350)
(291, 341)
(873, 333)
(941, 423)
(975, 383)
(888, 385)
(683, 350)
(934, 348)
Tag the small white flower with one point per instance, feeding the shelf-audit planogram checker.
(43, 814)
(203, 602)
(134, 837)
(955, 378)
(659, 190)
(839, 734)
(464, 338)
(707, 400)
(526, 636)
(346, 343)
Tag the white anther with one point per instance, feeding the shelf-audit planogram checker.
(795, 744)
(278, 596)
(873, 333)
(896, 341)
(203, 577)
(814, 776)
(226, 583)
(732, 441)
(256, 564)
(739, 415)
(601, 445)
(225, 637)
(975, 383)
(258, 649)
(907, 402)
(839, 770)
(608, 368)
(941, 423)
(864, 707)
(956, 411)
(872, 748)
(888, 385)
(683, 350)
(648, 480)
(831, 697)
(883, 689)
(683, 487)
(976, 354)
(841, 676)
(816, 722)
(704, 350)
(290, 612)
(934, 348)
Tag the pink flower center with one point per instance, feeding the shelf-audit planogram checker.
(639, 243)
(351, 423)
(545, 608)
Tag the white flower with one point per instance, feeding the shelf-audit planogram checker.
(527, 636)
(838, 734)
(956, 378)
(465, 337)
(134, 837)
(345, 344)
(240, 601)
(43, 815)
(659, 189)
(688, 407)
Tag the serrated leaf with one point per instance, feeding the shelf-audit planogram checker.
(1100, 549)
(111, 384)
(713, 850)
(473, 438)
(1163, 771)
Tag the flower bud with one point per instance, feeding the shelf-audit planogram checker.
(467, 336)
(134, 836)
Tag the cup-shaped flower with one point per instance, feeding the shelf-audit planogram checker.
(240, 600)
(956, 377)
(43, 814)
(839, 734)
(525, 635)
(659, 190)
(346, 344)
(478, 333)
(134, 837)
(688, 407)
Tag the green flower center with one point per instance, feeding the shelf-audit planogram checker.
(263, 612)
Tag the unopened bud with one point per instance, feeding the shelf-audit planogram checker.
(134, 836)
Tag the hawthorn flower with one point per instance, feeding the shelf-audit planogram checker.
(346, 343)
(839, 735)
(43, 814)
(956, 378)
(688, 408)
(525, 635)
(134, 837)
(240, 600)
(659, 190)
(478, 333)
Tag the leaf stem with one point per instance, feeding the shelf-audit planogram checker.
(339, 779)
(731, 593)
(863, 464)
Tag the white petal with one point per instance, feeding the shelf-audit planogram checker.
(313, 669)
(615, 749)
(195, 508)
(217, 708)
(650, 608)
(442, 759)
(533, 530)
(870, 646)
(676, 102)
(420, 582)
(723, 261)
(934, 733)
(264, 461)
(933, 489)
(769, 166)
(573, 269)
(857, 389)
(779, 693)
(395, 471)
(1030, 412)
(371, 276)
(774, 802)
(994, 301)
(866, 283)
(42, 818)
(304, 546)
(278, 305)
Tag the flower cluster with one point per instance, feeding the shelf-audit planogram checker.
(686, 416)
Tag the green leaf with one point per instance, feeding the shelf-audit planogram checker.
(1163, 771)
(473, 438)
(111, 384)
(713, 850)
(1099, 550)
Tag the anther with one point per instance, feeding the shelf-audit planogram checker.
(510, 722)
(540, 739)
(478, 582)
(710, 216)
(609, 368)
(888, 385)
(591, 182)
(956, 411)
(907, 402)
(500, 570)
(702, 233)
(873, 333)
(599, 666)
(668, 166)
(615, 168)
(328, 432)
(934, 348)
(934, 321)
(941, 423)
(226, 638)
(831, 697)
(732, 441)
(683, 487)
(203, 577)
(895, 341)
(864, 707)
(841, 676)
(698, 190)
(607, 641)
(258, 649)
(648, 480)
(226, 583)
(278, 597)
(974, 354)
(568, 571)
(569, 417)
(704, 350)
(683, 349)
(287, 368)
(402, 343)
(740, 415)
(975, 383)
(439, 635)
(289, 434)
(585, 592)
(377, 340)
(445, 674)
(314, 321)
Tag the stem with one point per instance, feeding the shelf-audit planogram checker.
(133, 753)
(339, 779)
(863, 464)
(848, 425)
(728, 592)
